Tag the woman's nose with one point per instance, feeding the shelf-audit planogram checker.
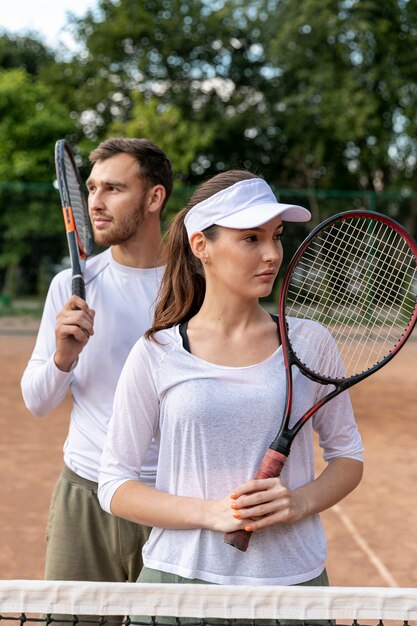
(271, 252)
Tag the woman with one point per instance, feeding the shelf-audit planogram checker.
(208, 382)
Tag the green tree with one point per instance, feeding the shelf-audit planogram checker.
(316, 95)
(182, 139)
(31, 119)
(26, 53)
(345, 112)
(202, 60)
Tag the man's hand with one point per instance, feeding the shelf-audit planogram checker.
(74, 327)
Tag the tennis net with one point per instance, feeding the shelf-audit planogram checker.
(46, 602)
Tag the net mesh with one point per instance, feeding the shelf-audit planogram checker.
(358, 279)
(132, 603)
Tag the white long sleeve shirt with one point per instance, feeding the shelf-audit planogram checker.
(214, 424)
(123, 298)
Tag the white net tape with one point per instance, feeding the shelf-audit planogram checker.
(210, 601)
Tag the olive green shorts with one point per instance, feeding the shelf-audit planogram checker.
(86, 543)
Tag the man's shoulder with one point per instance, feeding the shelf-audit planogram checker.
(61, 283)
(96, 265)
(97, 262)
(93, 264)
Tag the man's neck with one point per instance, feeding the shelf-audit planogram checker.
(145, 254)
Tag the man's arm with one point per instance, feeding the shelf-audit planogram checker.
(60, 340)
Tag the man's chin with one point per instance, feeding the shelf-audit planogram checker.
(109, 239)
(103, 238)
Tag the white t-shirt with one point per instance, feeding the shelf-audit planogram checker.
(214, 424)
(123, 298)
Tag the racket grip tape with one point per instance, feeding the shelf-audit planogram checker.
(271, 467)
(78, 286)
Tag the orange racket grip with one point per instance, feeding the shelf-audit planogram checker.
(271, 467)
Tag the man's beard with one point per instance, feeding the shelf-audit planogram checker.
(125, 230)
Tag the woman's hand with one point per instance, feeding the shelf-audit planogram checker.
(267, 501)
(220, 515)
(255, 505)
(252, 506)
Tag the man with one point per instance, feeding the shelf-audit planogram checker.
(82, 346)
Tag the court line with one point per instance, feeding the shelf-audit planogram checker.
(360, 541)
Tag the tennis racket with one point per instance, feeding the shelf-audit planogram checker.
(354, 279)
(75, 211)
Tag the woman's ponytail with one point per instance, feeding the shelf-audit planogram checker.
(183, 285)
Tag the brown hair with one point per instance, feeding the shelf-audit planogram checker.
(184, 285)
(154, 167)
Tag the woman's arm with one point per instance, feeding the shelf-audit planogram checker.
(260, 503)
(145, 505)
(338, 479)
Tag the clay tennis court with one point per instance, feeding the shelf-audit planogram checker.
(371, 534)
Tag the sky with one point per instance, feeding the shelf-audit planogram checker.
(45, 17)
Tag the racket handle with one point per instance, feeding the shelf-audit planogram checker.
(271, 467)
(78, 286)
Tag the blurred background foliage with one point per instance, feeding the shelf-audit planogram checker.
(320, 98)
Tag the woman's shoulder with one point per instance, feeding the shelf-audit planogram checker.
(309, 333)
(160, 343)
(307, 327)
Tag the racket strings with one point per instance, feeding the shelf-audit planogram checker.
(385, 298)
(371, 283)
(380, 339)
(373, 344)
(358, 279)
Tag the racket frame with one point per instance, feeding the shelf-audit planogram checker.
(78, 251)
(281, 443)
(276, 456)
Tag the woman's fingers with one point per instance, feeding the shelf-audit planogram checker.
(266, 502)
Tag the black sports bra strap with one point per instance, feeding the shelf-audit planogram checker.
(276, 320)
(184, 336)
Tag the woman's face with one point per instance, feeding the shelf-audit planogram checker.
(245, 262)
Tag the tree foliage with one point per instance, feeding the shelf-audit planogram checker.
(24, 52)
(203, 60)
(347, 90)
(31, 119)
(314, 96)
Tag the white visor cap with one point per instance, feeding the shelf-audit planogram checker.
(246, 204)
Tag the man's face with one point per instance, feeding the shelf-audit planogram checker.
(116, 199)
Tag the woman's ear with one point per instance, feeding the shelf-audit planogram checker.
(198, 245)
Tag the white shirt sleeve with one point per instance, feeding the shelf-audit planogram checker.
(335, 423)
(43, 385)
(133, 425)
